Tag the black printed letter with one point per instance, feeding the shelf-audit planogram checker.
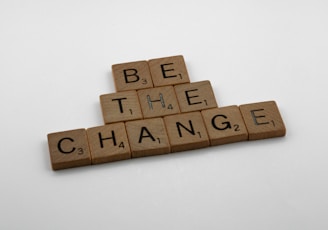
(227, 124)
(191, 130)
(107, 138)
(167, 70)
(144, 129)
(188, 97)
(133, 74)
(255, 117)
(120, 102)
(60, 148)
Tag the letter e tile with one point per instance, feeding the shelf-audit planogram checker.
(263, 120)
(147, 137)
(121, 106)
(108, 143)
(132, 76)
(195, 96)
(186, 131)
(225, 125)
(168, 71)
(69, 149)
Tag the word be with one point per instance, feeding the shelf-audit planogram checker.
(157, 110)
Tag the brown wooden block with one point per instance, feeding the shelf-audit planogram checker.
(225, 125)
(147, 137)
(122, 106)
(168, 71)
(132, 76)
(186, 131)
(69, 149)
(195, 96)
(159, 101)
(108, 143)
(263, 120)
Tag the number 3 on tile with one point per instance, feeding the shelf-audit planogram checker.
(79, 151)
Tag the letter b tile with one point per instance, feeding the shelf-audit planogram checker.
(132, 76)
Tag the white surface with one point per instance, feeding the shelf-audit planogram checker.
(55, 62)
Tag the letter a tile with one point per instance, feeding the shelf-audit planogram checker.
(122, 106)
(168, 71)
(263, 120)
(132, 76)
(225, 125)
(108, 143)
(147, 137)
(69, 149)
(186, 131)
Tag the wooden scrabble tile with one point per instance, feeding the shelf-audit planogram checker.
(225, 125)
(168, 71)
(263, 120)
(186, 131)
(195, 96)
(159, 101)
(132, 76)
(69, 149)
(108, 143)
(121, 106)
(147, 137)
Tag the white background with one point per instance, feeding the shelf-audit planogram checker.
(55, 61)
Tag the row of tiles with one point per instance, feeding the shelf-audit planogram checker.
(157, 102)
(161, 135)
(152, 73)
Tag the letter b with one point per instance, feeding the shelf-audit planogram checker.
(130, 75)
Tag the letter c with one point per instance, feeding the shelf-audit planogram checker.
(60, 147)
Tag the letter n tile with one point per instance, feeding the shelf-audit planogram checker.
(186, 131)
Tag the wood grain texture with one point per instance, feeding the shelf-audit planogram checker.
(195, 96)
(263, 120)
(69, 149)
(147, 137)
(108, 143)
(158, 102)
(132, 76)
(121, 106)
(186, 131)
(168, 71)
(225, 125)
